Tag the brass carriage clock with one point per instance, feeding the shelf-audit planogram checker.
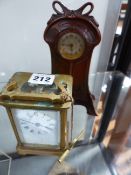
(40, 114)
(72, 36)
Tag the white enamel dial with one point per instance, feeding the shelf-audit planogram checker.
(71, 46)
(38, 126)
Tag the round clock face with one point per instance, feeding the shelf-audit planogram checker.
(37, 126)
(71, 46)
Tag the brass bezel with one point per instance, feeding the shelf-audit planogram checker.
(66, 55)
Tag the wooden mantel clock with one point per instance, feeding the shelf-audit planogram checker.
(72, 36)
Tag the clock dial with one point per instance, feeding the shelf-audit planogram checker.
(71, 46)
(37, 126)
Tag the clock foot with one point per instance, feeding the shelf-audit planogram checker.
(89, 106)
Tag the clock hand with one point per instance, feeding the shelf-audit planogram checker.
(38, 124)
(27, 121)
(48, 128)
(69, 45)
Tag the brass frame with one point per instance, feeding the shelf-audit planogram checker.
(23, 150)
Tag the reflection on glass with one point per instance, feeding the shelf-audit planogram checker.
(5, 163)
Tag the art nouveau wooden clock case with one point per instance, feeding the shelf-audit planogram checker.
(72, 36)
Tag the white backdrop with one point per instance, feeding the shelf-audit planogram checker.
(22, 47)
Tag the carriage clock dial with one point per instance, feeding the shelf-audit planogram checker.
(37, 126)
(71, 46)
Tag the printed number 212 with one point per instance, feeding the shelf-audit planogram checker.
(47, 79)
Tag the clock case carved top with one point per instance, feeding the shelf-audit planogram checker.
(74, 21)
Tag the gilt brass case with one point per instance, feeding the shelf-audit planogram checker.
(19, 94)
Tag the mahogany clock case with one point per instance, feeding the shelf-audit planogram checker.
(84, 25)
